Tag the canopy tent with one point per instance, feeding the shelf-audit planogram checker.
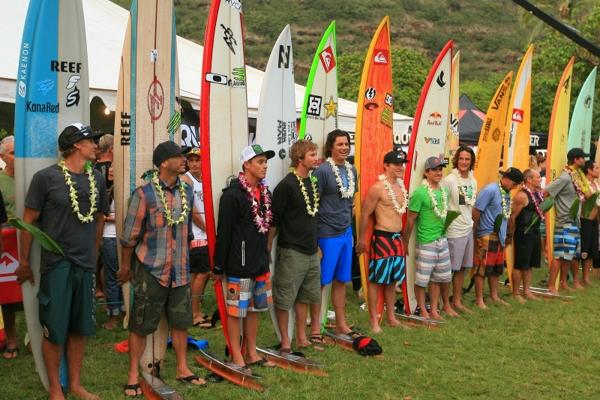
(106, 23)
(470, 120)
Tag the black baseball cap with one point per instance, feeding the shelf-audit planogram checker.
(514, 174)
(75, 133)
(394, 157)
(574, 153)
(166, 150)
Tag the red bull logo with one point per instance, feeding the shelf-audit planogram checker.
(435, 119)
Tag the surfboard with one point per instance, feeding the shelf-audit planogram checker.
(452, 136)
(294, 361)
(556, 156)
(225, 371)
(374, 136)
(276, 127)
(52, 92)
(146, 103)
(428, 139)
(580, 130)
(223, 116)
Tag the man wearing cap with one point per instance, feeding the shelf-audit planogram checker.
(568, 187)
(490, 218)
(462, 189)
(241, 254)
(199, 265)
(67, 201)
(386, 203)
(336, 180)
(155, 239)
(427, 208)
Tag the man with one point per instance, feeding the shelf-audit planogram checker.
(241, 256)
(427, 209)
(155, 236)
(386, 203)
(297, 273)
(525, 220)
(462, 188)
(336, 180)
(199, 265)
(75, 222)
(104, 157)
(589, 226)
(569, 186)
(492, 208)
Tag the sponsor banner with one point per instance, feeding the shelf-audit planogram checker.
(10, 290)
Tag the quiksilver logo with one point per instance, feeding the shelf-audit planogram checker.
(42, 107)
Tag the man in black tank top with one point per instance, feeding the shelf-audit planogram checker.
(526, 237)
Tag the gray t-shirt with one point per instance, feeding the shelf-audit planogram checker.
(564, 194)
(335, 213)
(49, 194)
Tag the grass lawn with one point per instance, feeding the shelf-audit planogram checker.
(541, 350)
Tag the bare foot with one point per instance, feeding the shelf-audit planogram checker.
(553, 291)
(519, 298)
(461, 307)
(375, 328)
(578, 286)
(450, 311)
(530, 296)
(56, 394)
(481, 305)
(566, 287)
(110, 324)
(394, 323)
(586, 282)
(498, 300)
(81, 393)
(435, 315)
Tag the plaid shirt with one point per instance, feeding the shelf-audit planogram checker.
(162, 249)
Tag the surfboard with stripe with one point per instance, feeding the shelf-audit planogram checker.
(452, 136)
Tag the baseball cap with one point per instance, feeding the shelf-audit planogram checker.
(574, 153)
(74, 133)
(255, 150)
(395, 157)
(166, 150)
(514, 174)
(195, 151)
(434, 162)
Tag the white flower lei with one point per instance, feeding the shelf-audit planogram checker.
(312, 211)
(444, 211)
(400, 209)
(89, 170)
(345, 193)
(506, 209)
(161, 195)
(469, 199)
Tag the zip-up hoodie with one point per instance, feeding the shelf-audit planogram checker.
(241, 251)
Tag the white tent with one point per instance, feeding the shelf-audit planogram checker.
(106, 23)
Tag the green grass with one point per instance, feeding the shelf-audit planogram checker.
(542, 350)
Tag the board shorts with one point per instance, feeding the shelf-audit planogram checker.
(67, 302)
(566, 242)
(489, 259)
(433, 263)
(528, 251)
(589, 239)
(337, 258)
(244, 295)
(297, 279)
(199, 259)
(151, 300)
(387, 262)
(461, 252)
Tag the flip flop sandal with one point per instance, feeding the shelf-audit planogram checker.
(134, 387)
(190, 380)
(10, 353)
(317, 342)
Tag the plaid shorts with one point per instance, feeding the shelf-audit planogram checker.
(566, 242)
(489, 258)
(246, 294)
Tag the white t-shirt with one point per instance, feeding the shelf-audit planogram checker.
(463, 224)
(199, 234)
(110, 230)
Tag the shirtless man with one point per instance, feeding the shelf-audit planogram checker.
(386, 201)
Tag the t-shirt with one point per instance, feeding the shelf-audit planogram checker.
(335, 213)
(489, 204)
(199, 234)
(110, 229)
(564, 194)
(430, 227)
(7, 187)
(297, 229)
(463, 224)
(49, 194)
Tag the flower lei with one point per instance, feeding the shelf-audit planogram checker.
(506, 208)
(161, 195)
(469, 198)
(580, 182)
(345, 193)
(312, 211)
(400, 209)
(89, 217)
(441, 213)
(262, 218)
(537, 198)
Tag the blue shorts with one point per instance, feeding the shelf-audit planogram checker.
(337, 258)
(566, 242)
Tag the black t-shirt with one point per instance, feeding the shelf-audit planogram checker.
(297, 229)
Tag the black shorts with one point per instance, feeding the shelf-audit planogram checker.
(528, 251)
(199, 260)
(589, 239)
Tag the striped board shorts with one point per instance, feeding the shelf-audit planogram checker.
(489, 259)
(567, 242)
(433, 263)
(245, 294)
(387, 258)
